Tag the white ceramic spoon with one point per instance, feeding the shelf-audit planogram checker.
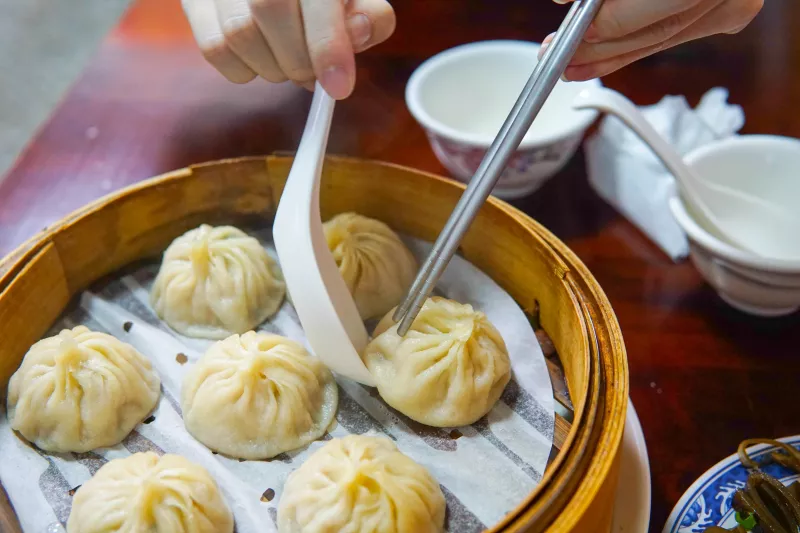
(745, 221)
(323, 303)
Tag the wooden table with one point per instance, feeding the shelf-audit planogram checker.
(703, 377)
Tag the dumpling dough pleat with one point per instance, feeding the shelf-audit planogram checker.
(256, 395)
(81, 390)
(375, 264)
(361, 483)
(448, 370)
(215, 281)
(147, 493)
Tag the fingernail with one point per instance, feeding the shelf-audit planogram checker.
(562, 1)
(360, 30)
(336, 82)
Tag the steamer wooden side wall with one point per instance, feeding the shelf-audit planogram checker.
(38, 280)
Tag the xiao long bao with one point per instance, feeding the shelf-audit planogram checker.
(361, 483)
(81, 390)
(449, 369)
(215, 281)
(148, 493)
(257, 395)
(375, 264)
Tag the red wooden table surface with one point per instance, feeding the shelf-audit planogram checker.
(703, 377)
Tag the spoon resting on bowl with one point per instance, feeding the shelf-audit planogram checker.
(323, 303)
(745, 221)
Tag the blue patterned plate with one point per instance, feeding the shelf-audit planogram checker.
(708, 501)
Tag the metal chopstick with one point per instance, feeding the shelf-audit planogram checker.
(541, 82)
(446, 233)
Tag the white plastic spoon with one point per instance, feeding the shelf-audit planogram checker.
(748, 222)
(324, 305)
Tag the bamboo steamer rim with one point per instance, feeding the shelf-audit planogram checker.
(614, 385)
(587, 459)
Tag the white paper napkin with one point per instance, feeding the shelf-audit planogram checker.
(626, 174)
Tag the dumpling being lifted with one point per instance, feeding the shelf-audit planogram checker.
(215, 281)
(375, 264)
(145, 492)
(256, 395)
(81, 390)
(448, 370)
(361, 483)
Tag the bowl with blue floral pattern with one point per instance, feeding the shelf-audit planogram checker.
(708, 502)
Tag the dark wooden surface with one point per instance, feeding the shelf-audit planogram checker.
(703, 377)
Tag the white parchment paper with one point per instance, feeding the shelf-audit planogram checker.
(485, 469)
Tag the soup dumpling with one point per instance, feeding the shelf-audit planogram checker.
(256, 395)
(448, 370)
(145, 492)
(80, 390)
(375, 264)
(361, 483)
(215, 281)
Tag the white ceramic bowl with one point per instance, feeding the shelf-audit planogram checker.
(764, 165)
(463, 95)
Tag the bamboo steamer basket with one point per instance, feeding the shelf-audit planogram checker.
(577, 491)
